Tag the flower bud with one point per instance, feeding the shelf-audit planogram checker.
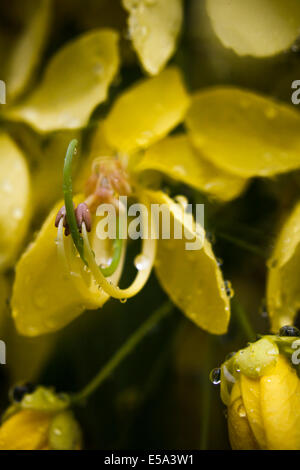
(42, 420)
(261, 388)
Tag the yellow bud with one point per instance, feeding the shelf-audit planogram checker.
(40, 421)
(261, 389)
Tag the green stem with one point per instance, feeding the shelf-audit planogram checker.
(122, 353)
(242, 244)
(243, 320)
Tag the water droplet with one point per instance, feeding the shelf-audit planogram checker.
(123, 301)
(215, 376)
(182, 201)
(98, 69)
(141, 262)
(17, 213)
(210, 237)
(179, 170)
(228, 289)
(263, 309)
(144, 138)
(272, 263)
(230, 355)
(219, 262)
(241, 411)
(271, 113)
(7, 187)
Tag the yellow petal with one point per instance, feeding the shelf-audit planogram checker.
(15, 200)
(47, 171)
(65, 433)
(4, 296)
(175, 157)
(283, 296)
(147, 112)
(280, 404)
(153, 28)
(25, 430)
(99, 147)
(47, 296)
(259, 28)
(244, 133)
(192, 278)
(75, 82)
(251, 395)
(240, 433)
(28, 50)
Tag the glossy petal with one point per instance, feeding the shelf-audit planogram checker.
(4, 296)
(65, 433)
(46, 295)
(28, 50)
(192, 278)
(147, 112)
(283, 296)
(15, 200)
(240, 434)
(75, 82)
(280, 404)
(99, 147)
(244, 133)
(153, 27)
(176, 157)
(251, 393)
(25, 430)
(259, 28)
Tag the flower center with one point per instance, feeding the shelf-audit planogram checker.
(108, 181)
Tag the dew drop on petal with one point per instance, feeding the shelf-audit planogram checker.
(141, 262)
(215, 376)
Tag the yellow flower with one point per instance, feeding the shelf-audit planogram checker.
(50, 290)
(261, 388)
(39, 420)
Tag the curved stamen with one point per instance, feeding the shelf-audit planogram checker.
(77, 217)
(148, 252)
(117, 251)
(68, 197)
